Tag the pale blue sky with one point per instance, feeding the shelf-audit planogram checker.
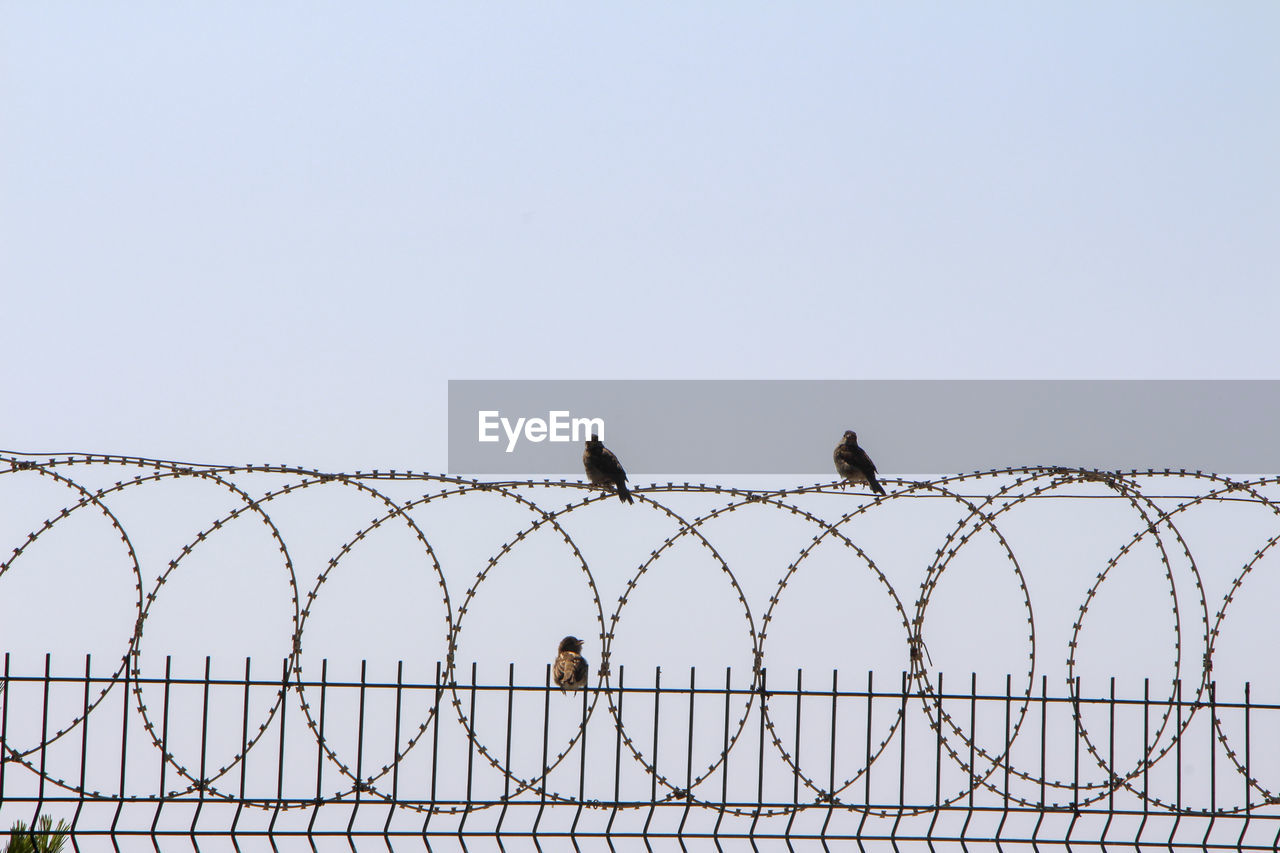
(241, 233)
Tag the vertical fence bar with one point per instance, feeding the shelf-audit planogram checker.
(795, 776)
(1044, 734)
(653, 777)
(724, 767)
(284, 708)
(725, 771)
(902, 762)
(359, 782)
(617, 755)
(44, 737)
(4, 725)
(688, 760)
(1275, 842)
(720, 817)
(435, 749)
(546, 736)
(164, 748)
(1008, 759)
(755, 818)
(506, 777)
(582, 767)
(84, 750)
(582, 762)
(471, 752)
(831, 758)
(1111, 761)
(1146, 760)
(1248, 775)
(320, 745)
(866, 779)
(1076, 727)
(1213, 762)
(973, 739)
(395, 767)
(937, 765)
(244, 750)
(204, 744)
(124, 749)
(1177, 695)
(830, 795)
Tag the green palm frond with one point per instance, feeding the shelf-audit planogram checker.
(44, 838)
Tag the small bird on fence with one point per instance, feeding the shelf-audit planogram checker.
(570, 669)
(604, 469)
(853, 463)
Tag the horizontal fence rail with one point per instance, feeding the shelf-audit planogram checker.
(691, 754)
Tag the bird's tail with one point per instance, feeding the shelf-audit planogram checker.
(624, 495)
(875, 484)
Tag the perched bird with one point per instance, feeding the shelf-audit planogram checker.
(570, 669)
(604, 469)
(853, 463)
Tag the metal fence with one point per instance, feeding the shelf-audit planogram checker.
(234, 755)
(850, 622)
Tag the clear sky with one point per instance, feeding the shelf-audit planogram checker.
(272, 233)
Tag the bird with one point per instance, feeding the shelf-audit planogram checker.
(604, 469)
(570, 669)
(853, 463)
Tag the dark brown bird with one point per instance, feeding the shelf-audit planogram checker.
(853, 463)
(604, 469)
(570, 669)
